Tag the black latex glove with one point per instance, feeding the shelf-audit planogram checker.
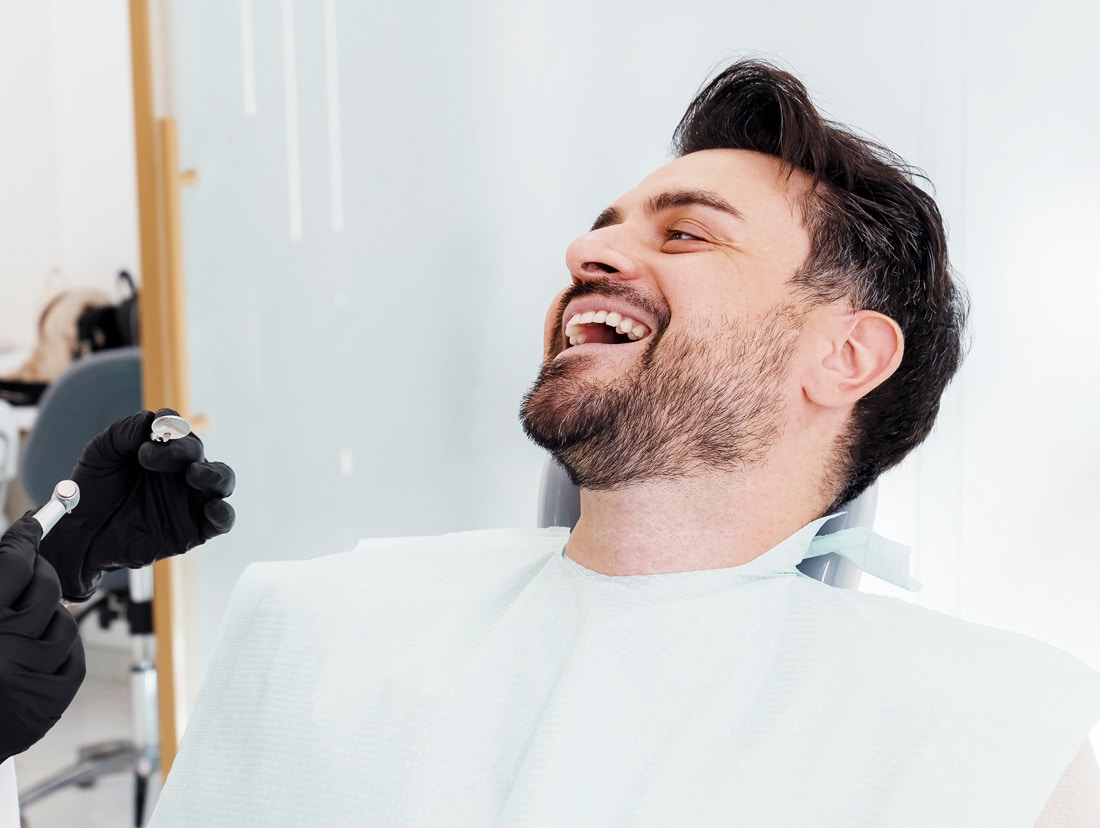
(41, 658)
(140, 501)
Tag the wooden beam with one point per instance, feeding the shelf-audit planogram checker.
(163, 329)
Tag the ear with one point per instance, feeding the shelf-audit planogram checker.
(857, 352)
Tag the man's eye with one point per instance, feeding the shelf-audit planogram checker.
(675, 234)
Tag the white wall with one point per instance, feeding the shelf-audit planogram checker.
(28, 209)
(1031, 398)
(68, 213)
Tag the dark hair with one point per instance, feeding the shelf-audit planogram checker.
(876, 240)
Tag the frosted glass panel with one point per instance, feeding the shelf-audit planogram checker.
(345, 338)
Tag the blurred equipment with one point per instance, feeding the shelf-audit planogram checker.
(109, 325)
(95, 391)
(76, 322)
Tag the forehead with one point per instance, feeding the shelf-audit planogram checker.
(758, 186)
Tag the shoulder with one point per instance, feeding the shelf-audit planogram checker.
(413, 570)
(427, 590)
(929, 638)
(972, 708)
(999, 691)
(489, 543)
(929, 646)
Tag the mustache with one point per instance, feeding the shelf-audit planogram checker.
(606, 286)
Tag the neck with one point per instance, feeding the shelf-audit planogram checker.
(710, 521)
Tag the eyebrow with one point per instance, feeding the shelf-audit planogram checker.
(670, 200)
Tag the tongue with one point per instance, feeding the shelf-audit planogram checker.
(602, 334)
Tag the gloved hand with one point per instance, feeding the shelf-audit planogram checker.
(140, 501)
(41, 657)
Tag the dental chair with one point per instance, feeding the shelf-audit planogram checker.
(91, 394)
(560, 505)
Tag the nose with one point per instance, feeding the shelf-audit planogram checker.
(602, 253)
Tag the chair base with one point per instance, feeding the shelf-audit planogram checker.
(94, 761)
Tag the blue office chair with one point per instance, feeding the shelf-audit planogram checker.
(560, 505)
(91, 394)
(9, 451)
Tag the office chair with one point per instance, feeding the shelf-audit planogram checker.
(91, 394)
(9, 451)
(560, 505)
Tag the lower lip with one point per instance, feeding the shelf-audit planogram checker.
(593, 348)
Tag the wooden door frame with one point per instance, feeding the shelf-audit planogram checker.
(163, 331)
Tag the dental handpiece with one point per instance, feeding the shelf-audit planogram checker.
(66, 495)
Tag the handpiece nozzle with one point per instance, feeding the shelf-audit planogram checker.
(66, 495)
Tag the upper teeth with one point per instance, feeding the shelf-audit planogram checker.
(623, 324)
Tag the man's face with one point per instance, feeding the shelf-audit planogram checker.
(671, 351)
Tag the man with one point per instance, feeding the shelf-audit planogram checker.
(751, 336)
(140, 501)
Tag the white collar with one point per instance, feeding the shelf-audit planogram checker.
(872, 553)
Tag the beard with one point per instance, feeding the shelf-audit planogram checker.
(689, 405)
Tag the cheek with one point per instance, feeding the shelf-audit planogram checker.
(551, 334)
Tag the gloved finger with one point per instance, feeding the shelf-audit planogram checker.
(218, 518)
(211, 478)
(72, 671)
(66, 679)
(18, 550)
(29, 614)
(117, 442)
(81, 588)
(171, 457)
(49, 653)
(35, 701)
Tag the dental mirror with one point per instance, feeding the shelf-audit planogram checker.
(170, 427)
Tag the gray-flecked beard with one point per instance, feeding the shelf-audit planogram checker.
(688, 406)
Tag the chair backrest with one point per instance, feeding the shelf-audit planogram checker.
(560, 505)
(91, 394)
(9, 442)
(9, 456)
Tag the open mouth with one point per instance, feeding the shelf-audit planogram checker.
(603, 327)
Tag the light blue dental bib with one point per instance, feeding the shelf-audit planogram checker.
(483, 679)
